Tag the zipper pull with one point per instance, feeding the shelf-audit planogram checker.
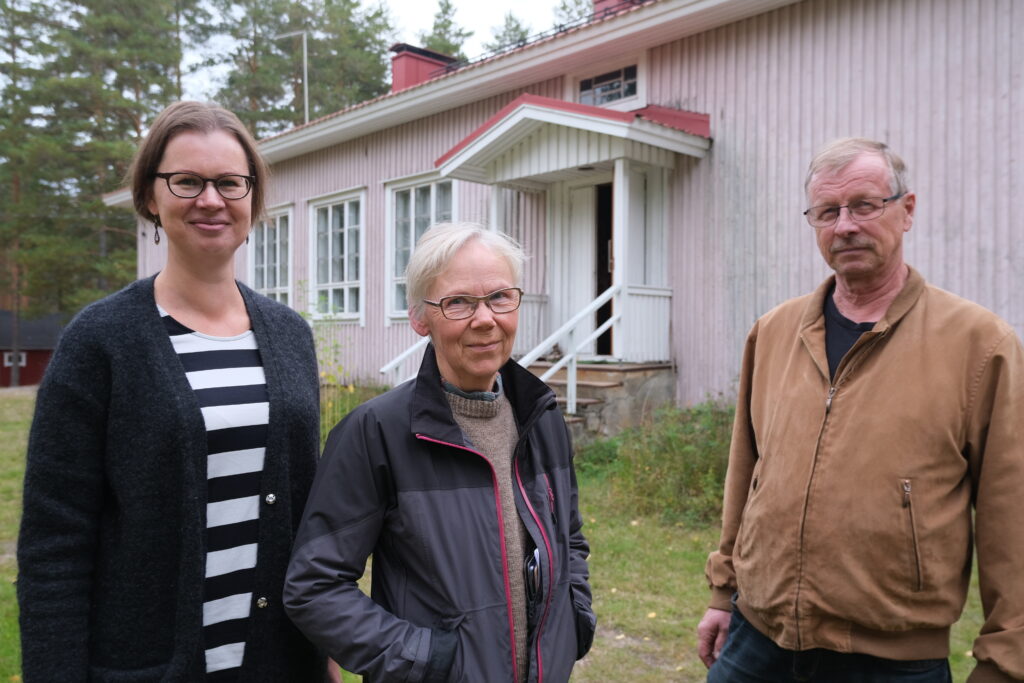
(828, 401)
(906, 493)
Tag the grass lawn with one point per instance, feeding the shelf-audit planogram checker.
(647, 576)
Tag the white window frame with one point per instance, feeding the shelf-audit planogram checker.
(313, 291)
(275, 214)
(638, 101)
(9, 359)
(392, 188)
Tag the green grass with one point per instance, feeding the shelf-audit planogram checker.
(647, 569)
(15, 417)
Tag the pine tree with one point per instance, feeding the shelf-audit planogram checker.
(572, 11)
(99, 70)
(446, 36)
(512, 33)
(347, 58)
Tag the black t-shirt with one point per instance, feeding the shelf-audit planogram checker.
(841, 334)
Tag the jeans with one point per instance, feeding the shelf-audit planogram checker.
(751, 657)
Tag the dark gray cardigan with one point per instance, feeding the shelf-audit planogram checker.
(112, 546)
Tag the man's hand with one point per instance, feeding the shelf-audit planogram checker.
(711, 633)
(333, 672)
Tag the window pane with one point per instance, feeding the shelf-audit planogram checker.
(338, 301)
(400, 304)
(422, 211)
(259, 257)
(630, 89)
(321, 245)
(353, 299)
(321, 301)
(271, 256)
(629, 73)
(282, 251)
(403, 216)
(284, 298)
(610, 76)
(353, 214)
(353, 254)
(444, 201)
(337, 243)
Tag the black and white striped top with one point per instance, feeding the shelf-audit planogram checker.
(226, 374)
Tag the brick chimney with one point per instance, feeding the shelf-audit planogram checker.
(413, 65)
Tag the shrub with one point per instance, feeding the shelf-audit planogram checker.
(337, 400)
(675, 465)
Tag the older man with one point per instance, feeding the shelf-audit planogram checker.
(872, 415)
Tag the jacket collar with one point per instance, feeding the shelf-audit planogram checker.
(901, 305)
(432, 415)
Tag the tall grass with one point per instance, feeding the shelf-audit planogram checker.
(674, 466)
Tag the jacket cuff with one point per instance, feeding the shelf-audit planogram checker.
(987, 672)
(442, 655)
(721, 598)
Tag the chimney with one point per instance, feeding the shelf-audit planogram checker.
(413, 65)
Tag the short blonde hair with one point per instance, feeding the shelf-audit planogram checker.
(838, 153)
(439, 244)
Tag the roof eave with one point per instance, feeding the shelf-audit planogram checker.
(643, 28)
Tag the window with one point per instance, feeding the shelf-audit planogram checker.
(9, 359)
(337, 266)
(608, 87)
(270, 256)
(414, 209)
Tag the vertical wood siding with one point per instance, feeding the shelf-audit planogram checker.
(941, 81)
(354, 351)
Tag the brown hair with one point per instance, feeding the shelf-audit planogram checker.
(838, 153)
(202, 117)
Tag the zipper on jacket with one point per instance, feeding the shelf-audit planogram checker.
(828, 401)
(548, 575)
(913, 534)
(504, 549)
(551, 500)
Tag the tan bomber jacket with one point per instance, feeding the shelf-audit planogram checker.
(847, 513)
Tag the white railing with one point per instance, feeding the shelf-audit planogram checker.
(392, 370)
(565, 337)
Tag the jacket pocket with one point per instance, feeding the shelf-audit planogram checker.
(916, 572)
(586, 625)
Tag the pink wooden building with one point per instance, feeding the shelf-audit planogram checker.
(655, 153)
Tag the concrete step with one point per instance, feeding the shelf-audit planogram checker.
(593, 384)
(580, 401)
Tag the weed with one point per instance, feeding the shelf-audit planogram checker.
(675, 465)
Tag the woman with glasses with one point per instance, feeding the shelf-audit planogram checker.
(460, 483)
(173, 446)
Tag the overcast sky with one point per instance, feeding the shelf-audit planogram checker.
(479, 16)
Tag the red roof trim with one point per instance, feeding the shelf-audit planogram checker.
(686, 121)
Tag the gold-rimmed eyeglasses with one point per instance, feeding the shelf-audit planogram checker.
(462, 306)
(864, 209)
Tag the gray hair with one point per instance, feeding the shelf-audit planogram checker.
(838, 153)
(439, 244)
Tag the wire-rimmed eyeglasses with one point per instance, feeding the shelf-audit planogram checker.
(864, 209)
(191, 185)
(462, 306)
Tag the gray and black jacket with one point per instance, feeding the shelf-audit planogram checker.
(398, 480)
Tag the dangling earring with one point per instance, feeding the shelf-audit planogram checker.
(156, 230)
(247, 237)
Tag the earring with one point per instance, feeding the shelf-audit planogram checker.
(156, 230)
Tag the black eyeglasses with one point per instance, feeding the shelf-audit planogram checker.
(462, 306)
(191, 185)
(826, 215)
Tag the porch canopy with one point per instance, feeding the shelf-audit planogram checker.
(534, 141)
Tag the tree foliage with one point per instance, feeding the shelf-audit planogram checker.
(512, 32)
(346, 58)
(572, 11)
(445, 35)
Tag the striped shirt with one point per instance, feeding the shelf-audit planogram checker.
(226, 374)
